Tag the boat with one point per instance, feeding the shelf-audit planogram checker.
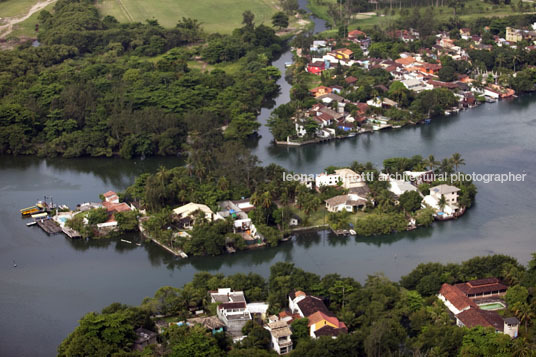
(29, 224)
(138, 244)
(39, 207)
(40, 215)
(288, 64)
(126, 241)
(427, 121)
(352, 232)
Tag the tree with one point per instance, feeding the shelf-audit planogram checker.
(447, 74)
(410, 201)
(457, 160)
(192, 341)
(127, 221)
(432, 162)
(300, 328)
(97, 215)
(248, 19)
(280, 19)
(442, 202)
(524, 312)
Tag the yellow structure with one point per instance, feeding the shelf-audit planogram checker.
(344, 54)
(513, 35)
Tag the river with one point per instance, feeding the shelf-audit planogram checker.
(57, 281)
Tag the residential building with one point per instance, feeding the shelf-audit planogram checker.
(280, 333)
(321, 90)
(482, 288)
(316, 67)
(513, 35)
(325, 179)
(419, 177)
(211, 323)
(111, 197)
(398, 187)
(234, 315)
(184, 215)
(349, 178)
(449, 192)
(226, 295)
(349, 203)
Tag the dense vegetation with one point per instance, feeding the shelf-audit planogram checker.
(384, 318)
(95, 88)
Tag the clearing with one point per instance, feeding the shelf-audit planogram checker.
(18, 11)
(215, 15)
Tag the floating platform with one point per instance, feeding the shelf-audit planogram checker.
(71, 233)
(49, 226)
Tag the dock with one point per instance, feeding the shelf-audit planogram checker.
(71, 233)
(49, 226)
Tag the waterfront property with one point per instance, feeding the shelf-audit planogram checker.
(462, 300)
(280, 336)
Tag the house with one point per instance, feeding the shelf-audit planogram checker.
(294, 221)
(349, 203)
(477, 317)
(482, 288)
(258, 309)
(406, 61)
(321, 321)
(355, 34)
(349, 178)
(447, 211)
(325, 179)
(321, 90)
(449, 192)
(322, 324)
(280, 333)
(226, 295)
(111, 197)
(344, 54)
(492, 93)
(454, 299)
(382, 103)
(420, 177)
(465, 33)
(398, 187)
(350, 80)
(184, 215)
(144, 338)
(513, 35)
(234, 315)
(316, 67)
(211, 323)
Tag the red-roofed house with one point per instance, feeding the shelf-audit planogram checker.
(455, 299)
(111, 196)
(321, 90)
(319, 320)
(482, 288)
(356, 34)
(316, 67)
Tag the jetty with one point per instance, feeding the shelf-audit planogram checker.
(49, 226)
(71, 233)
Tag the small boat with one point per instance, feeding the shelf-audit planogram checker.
(397, 126)
(126, 241)
(14, 264)
(40, 215)
(288, 64)
(427, 121)
(352, 232)
(138, 244)
(29, 224)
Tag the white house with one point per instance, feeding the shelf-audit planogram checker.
(399, 187)
(433, 202)
(488, 92)
(416, 85)
(349, 203)
(449, 192)
(280, 333)
(349, 178)
(324, 179)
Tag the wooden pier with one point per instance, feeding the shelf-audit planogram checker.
(49, 226)
(71, 233)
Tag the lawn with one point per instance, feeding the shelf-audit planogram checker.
(472, 9)
(216, 15)
(15, 8)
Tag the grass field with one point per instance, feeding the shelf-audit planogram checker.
(216, 15)
(472, 9)
(15, 8)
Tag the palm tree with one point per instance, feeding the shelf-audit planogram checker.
(515, 58)
(255, 199)
(432, 162)
(457, 160)
(500, 59)
(442, 202)
(524, 313)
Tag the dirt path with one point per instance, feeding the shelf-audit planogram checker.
(7, 28)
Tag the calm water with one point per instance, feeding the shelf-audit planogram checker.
(58, 280)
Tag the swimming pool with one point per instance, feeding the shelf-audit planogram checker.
(496, 305)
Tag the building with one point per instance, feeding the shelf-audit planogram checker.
(419, 177)
(321, 321)
(280, 333)
(355, 34)
(482, 288)
(111, 197)
(322, 324)
(449, 192)
(234, 315)
(144, 338)
(184, 215)
(350, 203)
(349, 178)
(321, 90)
(469, 314)
(513, 35)
(398, 187)
(416, 85)
(316, 67)
(226, 295)
(344, 54)
(325, 179)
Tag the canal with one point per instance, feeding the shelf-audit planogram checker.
(56, 280)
